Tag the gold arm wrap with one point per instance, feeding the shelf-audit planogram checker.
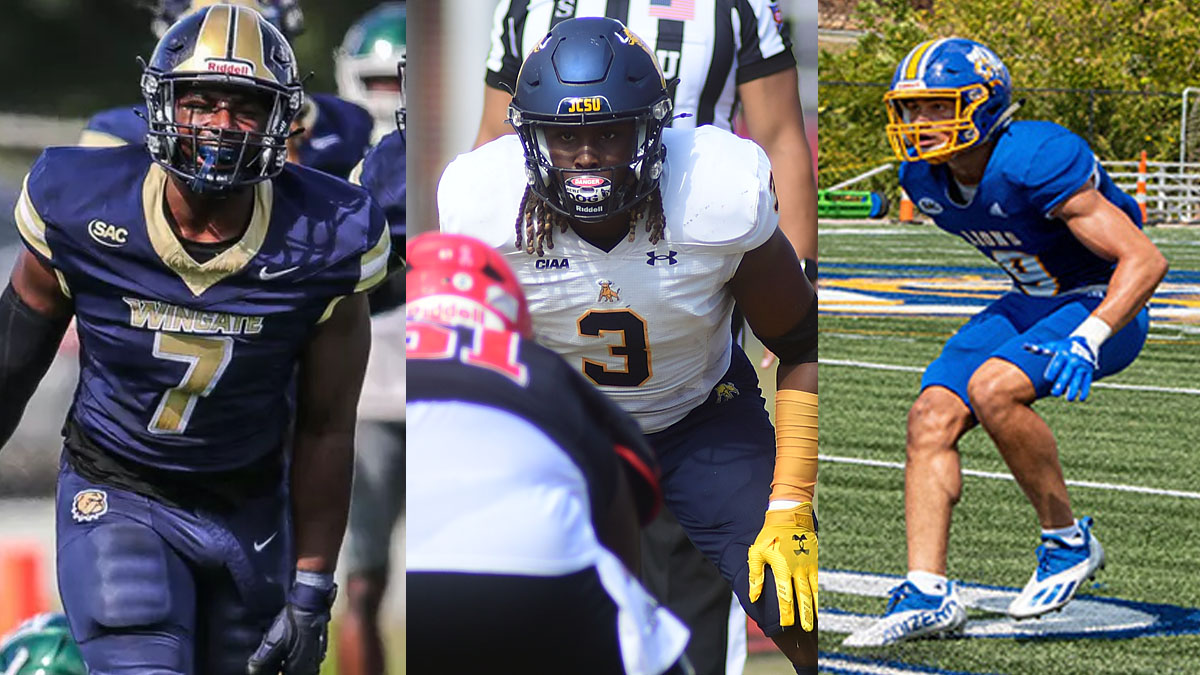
(795, 446)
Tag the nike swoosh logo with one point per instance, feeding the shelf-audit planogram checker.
(322, 142)
(267, 276)
(259, 546)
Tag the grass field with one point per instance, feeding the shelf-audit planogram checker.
(891, 295)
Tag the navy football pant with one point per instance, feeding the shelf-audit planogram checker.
(717, 464)
(151, 589)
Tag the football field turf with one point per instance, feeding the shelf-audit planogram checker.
(890, 297)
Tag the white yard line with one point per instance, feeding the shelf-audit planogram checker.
(1115, 487)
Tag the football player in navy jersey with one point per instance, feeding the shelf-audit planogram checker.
(527, 485)
(219, 293)
(335, 133)
(1032, 197)
(377, 499)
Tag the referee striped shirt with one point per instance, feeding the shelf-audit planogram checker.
(710, 45)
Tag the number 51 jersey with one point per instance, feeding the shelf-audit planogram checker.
(647, 323)
(187, 365)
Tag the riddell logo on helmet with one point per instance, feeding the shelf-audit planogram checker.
(229, 67)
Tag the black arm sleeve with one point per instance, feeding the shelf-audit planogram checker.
(28, 342)
(799, 344)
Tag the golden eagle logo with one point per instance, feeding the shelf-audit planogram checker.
(726, 391)
(89, 505)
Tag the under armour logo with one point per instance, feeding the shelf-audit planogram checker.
(655, 257)
(799, 539)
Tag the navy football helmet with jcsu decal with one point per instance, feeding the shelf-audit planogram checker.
(589, 71)
(237, 54)
(975, 90)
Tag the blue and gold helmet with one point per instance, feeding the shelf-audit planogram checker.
(283, 14)
(591, 71)
(41, 646)
(965, 73)
(230, 47)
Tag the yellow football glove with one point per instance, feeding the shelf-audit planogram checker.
(788, 543)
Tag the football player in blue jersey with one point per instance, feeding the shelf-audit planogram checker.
(377, 499)
(335, 133)
(219, 294)
(1032, 197)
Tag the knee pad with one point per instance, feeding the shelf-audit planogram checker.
(119, 575)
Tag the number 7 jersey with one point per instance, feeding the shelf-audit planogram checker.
(187, 365)
(647, 323)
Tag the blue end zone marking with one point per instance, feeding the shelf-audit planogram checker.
(824, 657)
(1167, 620)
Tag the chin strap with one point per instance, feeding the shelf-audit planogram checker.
(1003, 119)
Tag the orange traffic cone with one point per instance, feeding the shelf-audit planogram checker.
(22, 588)
(907, 210)
(1140, 196)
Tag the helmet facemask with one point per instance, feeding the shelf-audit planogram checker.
(230, 51)
(593, 194)
(215, 159)
(960, 130)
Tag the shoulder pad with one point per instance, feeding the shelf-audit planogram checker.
(480, 184)
(717, 190)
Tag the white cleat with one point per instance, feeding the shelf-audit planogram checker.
(1060, 572)
(912, 614)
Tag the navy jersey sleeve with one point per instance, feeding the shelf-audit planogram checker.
(33, 208)
(339, 133)
(765, 47)
(116, 126)
(1058, 166)
(383, 175)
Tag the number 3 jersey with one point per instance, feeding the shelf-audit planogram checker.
(1034, 168)
(187, 365)
(647, 323)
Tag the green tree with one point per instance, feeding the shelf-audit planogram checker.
(1132, 57)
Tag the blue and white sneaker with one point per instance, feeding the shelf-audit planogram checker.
(1061, 570)
(912, 614)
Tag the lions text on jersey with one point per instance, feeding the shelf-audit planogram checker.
(1034, 168)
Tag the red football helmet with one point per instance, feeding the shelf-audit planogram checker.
(460, 281)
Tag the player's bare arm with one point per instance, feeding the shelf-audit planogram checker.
(34, 314)
(1106, 231)
(492, 123)
(780, 305)
(330, 379)
(331, 376)
(775, 119)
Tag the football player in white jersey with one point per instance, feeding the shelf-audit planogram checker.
(632, 243)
